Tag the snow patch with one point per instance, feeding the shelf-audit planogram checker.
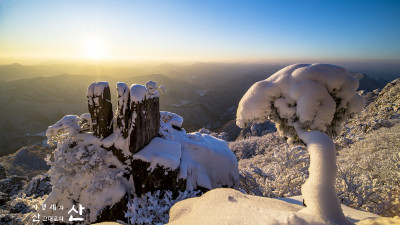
(160, 152)
(228, 206)
(206, 161)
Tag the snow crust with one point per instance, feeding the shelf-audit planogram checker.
(151, 86)
(68, 126)
(94, 91)
(308, 93)
(206, 161)
(140, 92)
(160, 152)
(351, 214)
(228, 206)
(171, 118)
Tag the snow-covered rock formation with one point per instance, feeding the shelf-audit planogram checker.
(104, 159)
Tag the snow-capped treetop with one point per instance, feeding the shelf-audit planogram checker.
(319, 96)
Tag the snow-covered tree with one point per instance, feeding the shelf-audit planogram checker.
(308, 104)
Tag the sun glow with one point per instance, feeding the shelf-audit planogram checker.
(94, 49)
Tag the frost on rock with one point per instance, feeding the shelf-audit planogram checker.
(206, 161)
(319, 96)
(154, 208)
(100, 108)
(308, 103)
(83, 172)
(160, 152)
(100, 160)
(171, 118)
(140, 92)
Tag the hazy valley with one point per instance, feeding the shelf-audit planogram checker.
(206, 95)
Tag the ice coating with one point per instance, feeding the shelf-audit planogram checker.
(319, 96)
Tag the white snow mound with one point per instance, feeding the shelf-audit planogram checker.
(228, 206)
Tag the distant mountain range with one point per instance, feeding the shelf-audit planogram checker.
(206, 95)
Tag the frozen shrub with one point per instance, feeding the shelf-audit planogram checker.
(154, 208)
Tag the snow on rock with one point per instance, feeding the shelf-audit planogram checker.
(228, 206)
(317, 95)
(69, 124)
(123, 96)
(87, 169)
(151, 86)
(171, 118)
(160, 152)
(140, 92)
(162, 89)
(206, 161)
(38, 186)
(83, 172)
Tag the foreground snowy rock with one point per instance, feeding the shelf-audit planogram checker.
(228, 206)
(103, 162)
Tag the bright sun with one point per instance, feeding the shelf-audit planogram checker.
(94, 49)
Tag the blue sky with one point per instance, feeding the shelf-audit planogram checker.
(201, 30)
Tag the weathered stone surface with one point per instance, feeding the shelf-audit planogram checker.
(145, 122)
(3, 172)
(123, 109)
(100, 108)
(158, 179)
(114, 212)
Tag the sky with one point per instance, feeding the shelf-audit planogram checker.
(199, 30)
